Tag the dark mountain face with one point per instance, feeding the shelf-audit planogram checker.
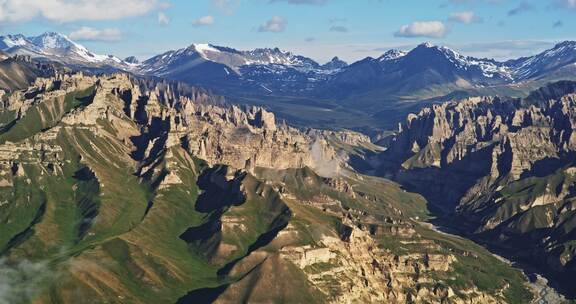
(132, 60)
(18, 72)
(229, 71)
(427, 65)
(334, 64)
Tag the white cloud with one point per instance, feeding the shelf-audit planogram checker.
(92, 34)
(276, 25)
(466, 17)
(73, 10)
(205, 20)
(431, 29)
(163, 19)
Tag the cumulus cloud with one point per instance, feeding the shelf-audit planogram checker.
(308, 2)
(73, 10)
(339, 29)
(465, 17)
(92, 34)
(163, 19)
(430, 29)
(275, 25)
(203, 21)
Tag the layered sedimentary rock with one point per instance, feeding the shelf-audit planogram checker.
(121, 189)
(500, 164)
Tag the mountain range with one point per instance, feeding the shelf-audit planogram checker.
(56, 47)
(127, 181)
(382, 90)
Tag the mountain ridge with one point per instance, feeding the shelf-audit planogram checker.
(57, 47)
(380, 90)
(275, 56)
(499, 170)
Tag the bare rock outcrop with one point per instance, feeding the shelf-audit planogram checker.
(501, 164)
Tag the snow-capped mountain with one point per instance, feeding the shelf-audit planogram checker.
(55, 47)
(233, 59)
(9, 41)
(262, 69)
(560, 56)
(446, 61)
(391, 55)
(426, 68)
(489, 68)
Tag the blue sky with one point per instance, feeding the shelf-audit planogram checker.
(321, 29)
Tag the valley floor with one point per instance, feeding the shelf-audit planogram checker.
(541, 287)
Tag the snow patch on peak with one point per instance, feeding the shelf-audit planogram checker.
(54, 46)
(566, 44)
(205, 47)
(14, 40)
(52, 40)
(488, 68)
(391, 55)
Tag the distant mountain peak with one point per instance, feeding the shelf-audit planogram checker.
(203, 47)
(131, 60)
(391, 55)
(567, 43)
(9, 41)
(334, 64)
(53, 40)
(271, 51)
(426, 44)
(54, 46)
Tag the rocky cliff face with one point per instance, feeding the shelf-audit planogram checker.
(119, 189)
(18, 72)
(502, 165)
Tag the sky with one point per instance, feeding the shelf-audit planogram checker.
(320, 29)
